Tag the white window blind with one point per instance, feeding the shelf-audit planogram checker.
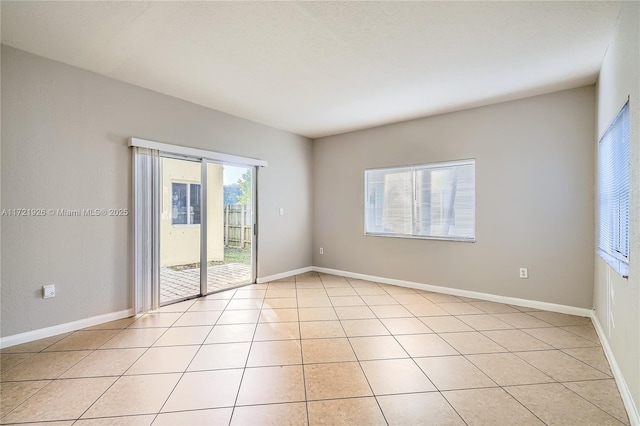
(427, 201)
(613, 193)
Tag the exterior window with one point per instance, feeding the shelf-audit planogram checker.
(435, 201)
(613, 193)
(185, 204)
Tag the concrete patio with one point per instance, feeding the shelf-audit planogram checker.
(177, 285)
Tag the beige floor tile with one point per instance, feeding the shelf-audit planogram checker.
(219, 356)
(8, 361)
(213, 417)
(460, 308)
(35, 346)
(327, 350)
(472, 343)
(341, 291)
(559, 319)
(396, 289)
(83, 340)
(377, 347)
(114, 325)
(561, 366)
(379, 300)
(204, 389)
(370, 290)
(309, 282)
(394, 376)
(273, 414)
(484, 322)
(321, 329)
(419, 409)
(521, 320)
(315, 291)
(278, 315)
(44, 365)
(442, 298)
(277, 331)
(221, 295)
(354, 312)
(516, 340)
(239, 317)
(207, 304)
(272, 353)
(391, 311)
(346, 412)
(591, 356)
(317, 314)
(347, 301)
(287, 282)
(271, 385)
(314, 302)
(250, 293)
(445, 324)
(427, 309)
(559, 338)
(288, 302)
(60, 400)
(156, 320)
(232, 333)
(365, 327)
(453, 372)
(177, 307)
(273, 293)
(170, 359)
(176, 336)
(489, 407)
(336, 284)
(13, 394)
(118, 421)
(336, 380)
(604, 394)
(244, 304)
(507, 369)
(410, 298)
(405, 326)
(135, 338)
(584, 331)
(60, 423)
(106, 362)
(555, 404)
(421, 345)
(494, 308)
(198, 318)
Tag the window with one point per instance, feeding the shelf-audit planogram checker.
(428, 201)
(613, 193)
(185, 204)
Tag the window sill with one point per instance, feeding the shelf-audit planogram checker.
(620, 266)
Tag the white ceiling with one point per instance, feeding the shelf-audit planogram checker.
(322, 68)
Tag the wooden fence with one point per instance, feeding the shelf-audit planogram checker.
(237, 226)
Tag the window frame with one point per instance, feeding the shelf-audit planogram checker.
(188, 202)
(414, 168)
(615, 255)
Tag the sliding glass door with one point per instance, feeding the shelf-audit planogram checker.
(206, 227)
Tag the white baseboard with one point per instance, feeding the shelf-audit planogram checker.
(625, 393)
(42, 333)
(284, 275)
(564, 309)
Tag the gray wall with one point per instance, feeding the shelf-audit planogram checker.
(534, 198)
(64, 134)
(617, 300)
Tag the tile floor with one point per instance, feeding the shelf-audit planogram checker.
(318, 349)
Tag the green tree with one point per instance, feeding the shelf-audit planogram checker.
(245, 188)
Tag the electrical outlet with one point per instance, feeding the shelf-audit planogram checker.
(48, 291)
(321, 250)
(524, 273)
(281, 211)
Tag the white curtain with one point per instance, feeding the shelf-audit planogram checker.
(146, 172)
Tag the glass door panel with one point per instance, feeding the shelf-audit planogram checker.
(230, 244)
(180, 227)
